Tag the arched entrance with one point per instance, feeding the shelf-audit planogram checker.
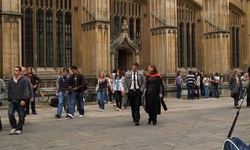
(124, 52)
(123, 59)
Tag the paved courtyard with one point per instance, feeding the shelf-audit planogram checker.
(187, 125)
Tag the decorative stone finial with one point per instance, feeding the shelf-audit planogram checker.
(124, 26)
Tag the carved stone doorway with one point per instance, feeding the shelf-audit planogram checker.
(123, 59)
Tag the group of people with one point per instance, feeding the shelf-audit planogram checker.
(237, 89)
(198, 85)
(137, 88)
(70, 88)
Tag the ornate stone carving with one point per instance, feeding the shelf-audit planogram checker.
(11, 19)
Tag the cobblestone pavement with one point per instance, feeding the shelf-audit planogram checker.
(188, 125)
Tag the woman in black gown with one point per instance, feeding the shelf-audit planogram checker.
(154, 92)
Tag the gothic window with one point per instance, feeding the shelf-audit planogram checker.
(40, 38)
(61, 4)
(57, 4)
(123, 10)
(59, 39)
(131, 28)
(193, 42)
(189, 56)
(28, 34)
(46, 3)
(68, 40)
(49, 39)
(181, 45)
(116, 25)
(186, 35)
(138, 28)
(235, 38)
(65, 4)
(48, 50)
(41, 3)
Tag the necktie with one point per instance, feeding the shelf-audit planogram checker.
(134, 82)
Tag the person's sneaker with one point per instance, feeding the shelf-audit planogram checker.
(119, 110)
(80, 116)
(70, 116)
(57, 116)
(12, 131)
(17, 132)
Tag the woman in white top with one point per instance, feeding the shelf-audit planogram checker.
(118, 89)
(206, 81)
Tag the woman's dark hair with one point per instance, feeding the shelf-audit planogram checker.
(178, 73)
(154, 71)
(31, 70)
(120, 74)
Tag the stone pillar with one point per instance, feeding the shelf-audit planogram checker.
(163, 35)
(216, 36)
(95, 34)
(10, 36)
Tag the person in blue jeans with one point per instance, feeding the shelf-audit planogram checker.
(190, 82)
(64, 93)
(78, 87)
(102, 90)
(179, 84)
(18, 94)
(206, 81)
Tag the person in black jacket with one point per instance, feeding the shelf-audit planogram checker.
(18, 94)
(78, 86)
(35, 80)
(154, 92)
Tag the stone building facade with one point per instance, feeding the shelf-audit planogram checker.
(102, 35)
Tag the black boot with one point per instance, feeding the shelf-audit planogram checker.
(149, 121)
(154, 119)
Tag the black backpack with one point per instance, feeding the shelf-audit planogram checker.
(54, 102)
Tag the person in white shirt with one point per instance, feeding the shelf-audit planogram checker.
(118, 89)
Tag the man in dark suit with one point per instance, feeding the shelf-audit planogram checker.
(134, 84)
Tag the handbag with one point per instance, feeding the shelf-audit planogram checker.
(123, 93)
(97, 88)
(235, 92)
(245, 83)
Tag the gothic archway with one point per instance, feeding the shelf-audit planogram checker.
(123, 50)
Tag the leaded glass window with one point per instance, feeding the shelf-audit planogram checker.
(186, 35)
(59, 38)
(131, 28)
(49, 40)
(40, 38)
(68, 40)
(28, 38)
(235, 39)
